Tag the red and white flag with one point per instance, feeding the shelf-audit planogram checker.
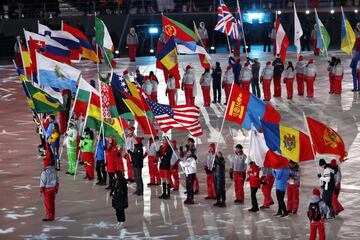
(282, 41)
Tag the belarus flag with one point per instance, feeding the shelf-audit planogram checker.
(282, 41)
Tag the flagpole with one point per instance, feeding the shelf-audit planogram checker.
(322, 38)
(242, 27)
(222, 125)
(311, 141)
(167, 139)
(297, 51)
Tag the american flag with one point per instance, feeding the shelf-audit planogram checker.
(182, 117)
(226, 24)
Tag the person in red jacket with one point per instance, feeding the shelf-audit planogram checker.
(111, 152)
(254, 179)
(49, 186)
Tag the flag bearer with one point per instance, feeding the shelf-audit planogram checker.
(154, 83)
(132, 42)
(331, 73)
(71, 147)
(165, 160)
(100, 161)
(189, 86)
(293, 188)
(281, 177)
(86, 146)
(300, 68)
(314, 41)
(216, 79)
(266, 77)
(355, 71)
(205, 82)
(254, 179)
(289, 80)
(219, 173)
(189, 166)
(171, 91)
(255, 69)
(335, 198)
(278, 69)
(208, 166)
(238, 173)
(153, 159)
(310, 75)
(203, 34)
(236, 67)
(129, 147)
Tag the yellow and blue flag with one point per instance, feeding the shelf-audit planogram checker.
(347, 35)
(289, 142)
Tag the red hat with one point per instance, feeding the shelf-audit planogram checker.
(212, 145)
(316, 192)
(268, 63)
(333, 163)
(311, 61)
(188, 67)
(139, 139)
(228, 67)
(125, 72)
(146, 77)
(131, 128)
(246, 64)
(301, 57)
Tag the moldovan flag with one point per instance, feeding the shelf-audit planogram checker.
(282, 41)
(169, 58)
(262, 155)
(326, 140)
(347, 35)
(112, 127)
(289, 142)
(82, 97)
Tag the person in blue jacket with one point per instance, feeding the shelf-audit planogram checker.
(353, 65)
(236, 67)
(281, 176)
(100, 162)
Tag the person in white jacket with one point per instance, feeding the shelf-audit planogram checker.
(189, 86)
(246, 76)
(189, 167)
(310, 76)
(171, 91)
(227, 82)
(205, 82)
(327, 180)
(266, 78)
(147, 87)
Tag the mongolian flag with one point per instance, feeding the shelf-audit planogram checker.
(326, 140)
(289, 142)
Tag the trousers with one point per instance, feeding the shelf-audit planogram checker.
(171, 96)
(254, 202)
(239, 186)
(120, 214)
(130, 171)
(300, 83)
(277, 86)
(100, 171)
(289, 87)
(266, 89)
(139, 180)
(255, 87)
(210, 185)
(49, 202)
(206, 95)
(153, 170)
(132, 51)
(266, 190)
(281, 203)
(227, 88)
(337, 84)
(71, 155)
(309, 86)
(174, 177)
(189, 96)
(293, 197)
(190, 185)
(317, 226)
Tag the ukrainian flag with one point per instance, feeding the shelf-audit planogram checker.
(347, 35)
(289, 142)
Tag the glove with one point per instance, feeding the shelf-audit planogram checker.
(231, 173)
(244, 175)
(319, 175)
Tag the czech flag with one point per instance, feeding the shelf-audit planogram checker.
(289, 142)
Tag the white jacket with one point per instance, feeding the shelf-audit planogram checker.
(229, 77)
(267, 72)
(154, 85)
(300, 67)
(147, 86)
(189, 165)
(310, 70)
(245, 74)
(153, 148)
(203, 33)
(326, 176)
(189, 77)
(129, 143)
(205, 79)
(208, 163)
(171, 83)
(338, 70)
(289, 73)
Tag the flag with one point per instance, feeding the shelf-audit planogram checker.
(245, 109)
(181, 117)
(177, 30)
(347, 35)
(23, 79)
(226, 23)
(86, 49)
(290, 143)
(43, 103)
(25, 58)
(55, 74)
(204, 57)
(112, 127)
(64, 38)
(103, 39)
(326, 140)
(282, 41)
(169, 59)
(322, 36)
(107, 99)
(47, 47)
(83, 97)
(239, 22)
(298, 32)
(261, 154)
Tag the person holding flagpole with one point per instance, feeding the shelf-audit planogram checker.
(278, 70)
(314, 41)
(129, 147)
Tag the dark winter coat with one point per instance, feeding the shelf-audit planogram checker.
(216, 76)
(166, 158)
(278, 67)
(137, 156)
(219, 173)
(119, 194)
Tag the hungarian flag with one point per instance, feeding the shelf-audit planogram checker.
(168, 57)
(177, 30)
(282, 41)
(82, 97)
(246, 109)
(103, 39)
(326, 140)
(112, 126)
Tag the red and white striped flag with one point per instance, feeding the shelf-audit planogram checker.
(181, 117)
(282, 41)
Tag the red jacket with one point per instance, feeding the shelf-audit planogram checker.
(254, 176)
(113, 162)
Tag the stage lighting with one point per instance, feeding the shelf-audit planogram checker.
(256, 16)
(332, 11)
(355, 11)
(307, 12)
(278, 12)
(212, 48)
(151, 50)
(153, 30)
(116, 51)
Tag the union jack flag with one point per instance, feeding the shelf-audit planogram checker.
(226, 24)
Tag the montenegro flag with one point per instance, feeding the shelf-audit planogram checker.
(168, 56)
(289, 142)
(326, 140)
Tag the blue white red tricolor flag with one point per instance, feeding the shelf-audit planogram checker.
(226, 24)
(181, 117)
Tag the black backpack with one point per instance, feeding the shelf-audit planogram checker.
(314, 213)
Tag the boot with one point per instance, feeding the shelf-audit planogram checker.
(167, 196)
(163, 195)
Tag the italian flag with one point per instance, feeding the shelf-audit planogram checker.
(103, 39)
(112, 127)
(82, 97)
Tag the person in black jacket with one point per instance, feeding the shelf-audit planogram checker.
(119, 194)
(137, 157)
(219, 172)
(278, 69)
(165, 153)
(216, 76)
